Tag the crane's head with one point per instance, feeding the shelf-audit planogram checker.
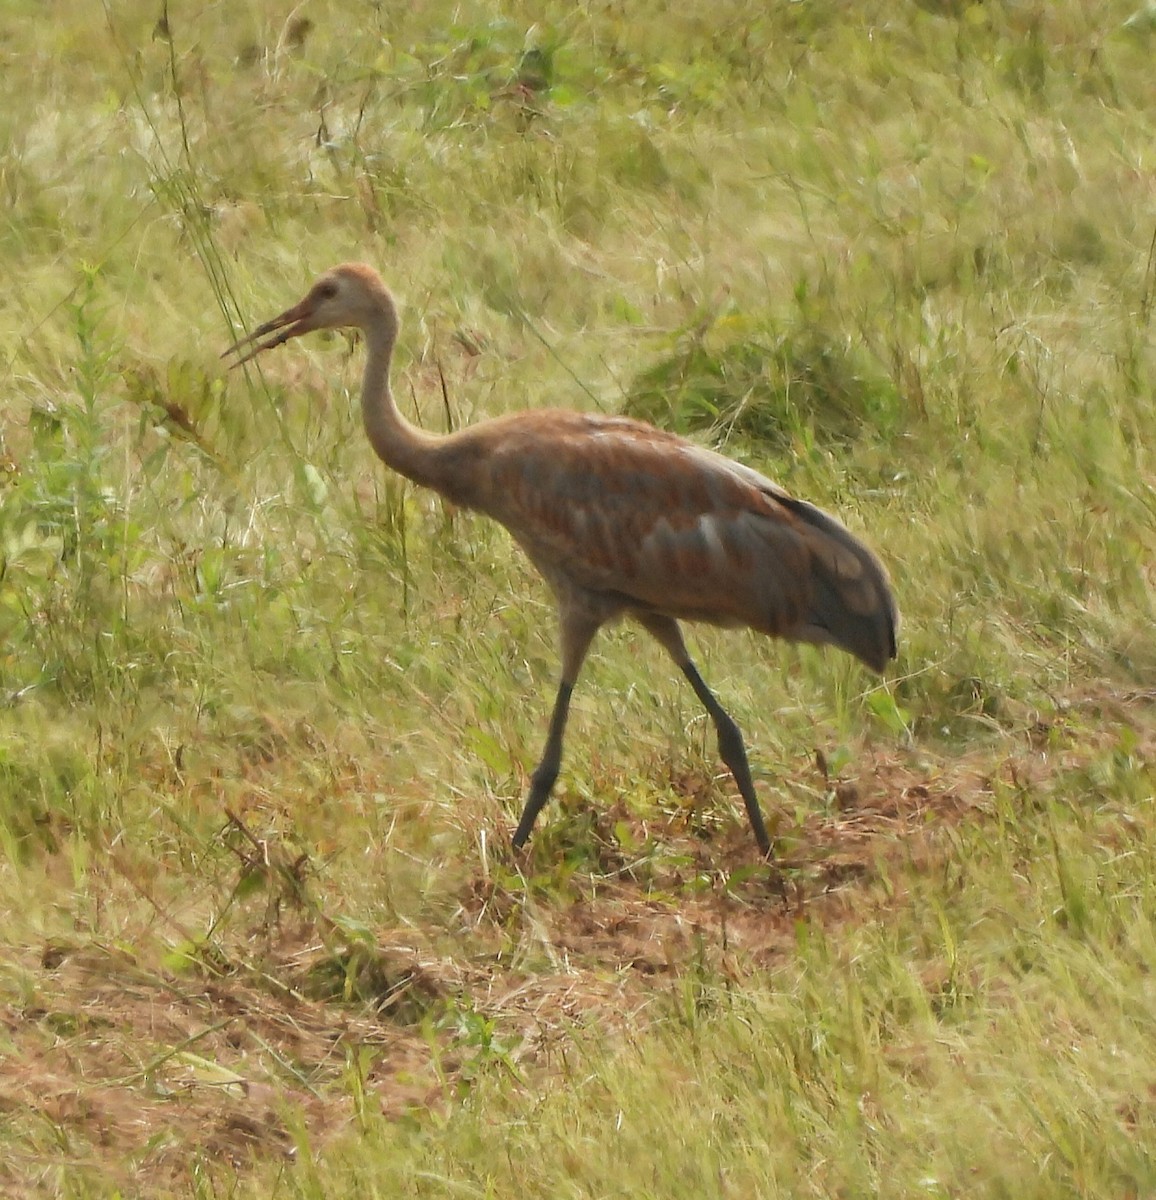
(349, 296)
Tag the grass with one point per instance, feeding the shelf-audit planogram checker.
(267, 712)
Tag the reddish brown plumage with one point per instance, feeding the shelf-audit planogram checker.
(622, 519)
(638, 517)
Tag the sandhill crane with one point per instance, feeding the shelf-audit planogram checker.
(622, 519)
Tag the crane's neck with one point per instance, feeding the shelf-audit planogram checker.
(400, 445)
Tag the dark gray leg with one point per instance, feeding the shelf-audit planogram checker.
(730, 740)
(732, 751)
(578, 630)
(542, 781)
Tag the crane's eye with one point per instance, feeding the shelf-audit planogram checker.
(326, 290)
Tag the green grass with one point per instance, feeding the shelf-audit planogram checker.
(267, 711)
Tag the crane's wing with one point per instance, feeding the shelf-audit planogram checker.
(617, 507)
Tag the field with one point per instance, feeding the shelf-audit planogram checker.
(268, 711)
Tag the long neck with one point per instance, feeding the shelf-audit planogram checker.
(397, 443)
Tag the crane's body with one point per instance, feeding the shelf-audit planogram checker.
(622, 519)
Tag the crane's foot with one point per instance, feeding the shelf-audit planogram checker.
(777, 881)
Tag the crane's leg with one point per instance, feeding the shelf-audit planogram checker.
(578, 630)
(730, 740)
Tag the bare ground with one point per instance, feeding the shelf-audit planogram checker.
(144, 1075)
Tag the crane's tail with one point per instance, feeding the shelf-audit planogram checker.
(852, 603)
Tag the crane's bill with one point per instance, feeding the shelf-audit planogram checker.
(293, 322)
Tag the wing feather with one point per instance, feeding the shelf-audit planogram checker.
(624, 508)
(619, 508)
